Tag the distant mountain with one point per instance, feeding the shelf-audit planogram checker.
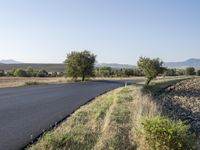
(114, 65)
(9, 61)
(193, 62)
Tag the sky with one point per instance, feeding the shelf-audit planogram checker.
(117, 31)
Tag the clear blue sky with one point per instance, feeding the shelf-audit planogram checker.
(116, 30)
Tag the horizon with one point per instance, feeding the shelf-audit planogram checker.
(20, 62)
(116, 31)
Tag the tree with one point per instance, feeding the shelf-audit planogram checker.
(198, 72)
(20, 73)
(2, 73)
(80, 64)
(170, 72)
(42, 73)
(190, 71)
(150, 67)
(30, 72)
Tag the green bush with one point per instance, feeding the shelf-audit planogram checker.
(198, 72)
(2, 73)
(190, 71)
(42, 73)
(164, 134)
(20, 73)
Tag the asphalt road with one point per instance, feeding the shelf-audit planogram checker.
(25, 112)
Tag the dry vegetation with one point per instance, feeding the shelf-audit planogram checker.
(21, 81)
(182, 101)
(114, 121)
(109, 122)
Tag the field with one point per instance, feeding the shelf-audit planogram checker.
(113, 120)
(48, 67)
(21, 81)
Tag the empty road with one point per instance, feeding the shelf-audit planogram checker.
(25, 112)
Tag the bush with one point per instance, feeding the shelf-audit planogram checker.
(162, 133)
(2, 73)
(20, 73)
(42, 73)
(190, 71)
(198, 72)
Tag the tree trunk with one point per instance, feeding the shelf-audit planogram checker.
(83, 77)
(148, 81)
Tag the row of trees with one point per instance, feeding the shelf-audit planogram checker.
(115, 72)
(30, 72)
(179, 72)
(81, 64)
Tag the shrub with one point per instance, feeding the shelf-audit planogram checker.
(198, 72)
(2, 73)
(162, 133)
(42, 73)
(31, 83)
(20, 73)
(30, 72)
(190, 71)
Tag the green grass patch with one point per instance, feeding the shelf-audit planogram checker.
(32, 83)
(163, 133)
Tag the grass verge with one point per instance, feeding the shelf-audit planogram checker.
(113, 121)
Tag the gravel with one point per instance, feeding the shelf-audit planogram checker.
(182, 101)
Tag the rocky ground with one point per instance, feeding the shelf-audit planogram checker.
(182, 101)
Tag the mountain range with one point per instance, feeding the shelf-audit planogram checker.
(192, 62)
(10, 63)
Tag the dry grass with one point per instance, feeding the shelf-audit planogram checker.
(109, 122)
(112, 122)
(21, 81)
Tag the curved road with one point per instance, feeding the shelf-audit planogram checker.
(25, 112)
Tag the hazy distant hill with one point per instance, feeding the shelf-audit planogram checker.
(9, 61)
(55, 67)
(8, 65)
(193, 62)
(114, 65)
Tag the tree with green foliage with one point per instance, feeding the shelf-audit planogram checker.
(150, 67)
(198, 72)
(170, 72)
(80, 64)
(42, 73)
(190, 71)
(20, 73)
(2, 73)
(30, 71)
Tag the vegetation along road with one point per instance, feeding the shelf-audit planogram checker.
(25, 112)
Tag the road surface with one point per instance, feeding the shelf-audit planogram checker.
(25, 112)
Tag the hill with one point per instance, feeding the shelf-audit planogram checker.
(54, 67)
(192, 62)
(9, 61)
(114, 65)
(48, 67)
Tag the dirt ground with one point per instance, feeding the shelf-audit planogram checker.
(182, 101)
(20, 81)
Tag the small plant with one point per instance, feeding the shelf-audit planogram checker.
(163, 133)
(198, 72)
(31, 83)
